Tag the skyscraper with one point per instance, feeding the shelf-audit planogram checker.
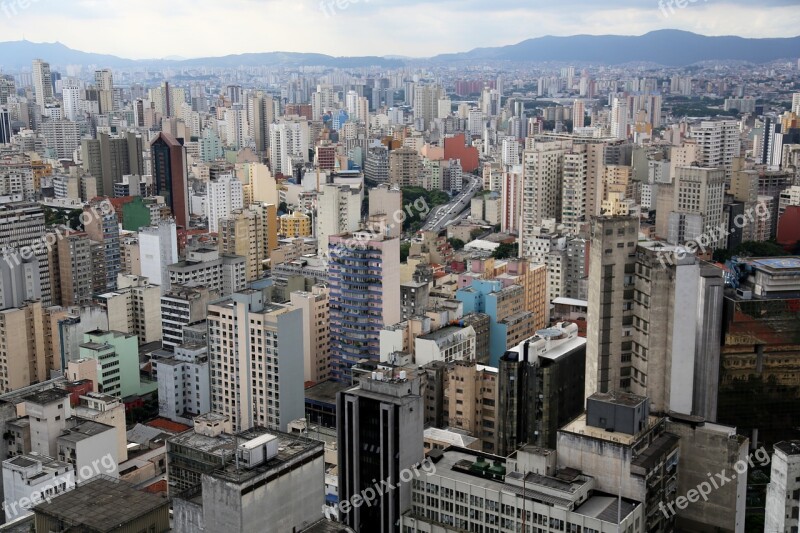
(104, 81)
(380, 427)
(170, 176)
(364, 276)
(42, 82)
(610, 320)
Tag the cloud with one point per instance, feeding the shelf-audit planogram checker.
(197, 28)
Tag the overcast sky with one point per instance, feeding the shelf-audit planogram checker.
(196, 28)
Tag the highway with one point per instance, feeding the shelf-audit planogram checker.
(441, 216)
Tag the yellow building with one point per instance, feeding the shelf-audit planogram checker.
(296, 225)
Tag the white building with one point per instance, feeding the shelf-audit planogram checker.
(29, 478)
(158, 248)
(184, 388)
(784, 482)
(288, 142)
(717, 144)
(225, 274)
(448, 344)
(338, 211)
(223, 196)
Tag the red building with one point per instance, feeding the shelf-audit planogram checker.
(789, 228)
(170, 175)
(456, 148)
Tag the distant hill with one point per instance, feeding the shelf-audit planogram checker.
(664, 47)
(20, 54)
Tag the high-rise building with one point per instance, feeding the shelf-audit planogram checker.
(288, 144)
(315, 306)
(61, 136)
(578, 114)
(619, 118)
(691, 207)
(8, 88)
(364, 279)
(781, 505)
(158, 249)
(110, 158)
(42, 83)
(609, 339)
(573, 194)
(75, 269)
(255, 353)
(338, 212)
(223, 196)
(541, 387)
(404, 167)
(251, 233)
(104, 81)
(426, 102)
(103, 227)
(22, 227)
(718, 144)
(5, 126)
(170, 175)
(542, 177)
(380, 428)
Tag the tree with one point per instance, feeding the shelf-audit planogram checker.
(283, 208)
(405, 249)
(457, 244)
(506, 250)
(474, 234)
(751, 249)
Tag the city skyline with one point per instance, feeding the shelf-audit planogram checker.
(480, 25)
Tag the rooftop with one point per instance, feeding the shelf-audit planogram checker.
(101, 504)
(789, 447)
(44, 397)
(579, 427)
(83, 429)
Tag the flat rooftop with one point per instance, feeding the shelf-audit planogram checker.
(83, 429)
(619, 398)
(579, 427)
(46, 396)
(789, 447)
(290, 447)
(101, 504)
(325, 392)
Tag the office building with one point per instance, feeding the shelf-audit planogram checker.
(404, 167)
(182, 306)
(541, 386)
(246, 480)
(691, 207)
(471, 490)
(379, 427)
(627, 451)
(31, 477)
(170, 178)
(111, 360)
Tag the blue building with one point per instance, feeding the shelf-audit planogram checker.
(509, 322)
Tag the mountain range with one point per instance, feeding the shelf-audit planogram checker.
(663, 47)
